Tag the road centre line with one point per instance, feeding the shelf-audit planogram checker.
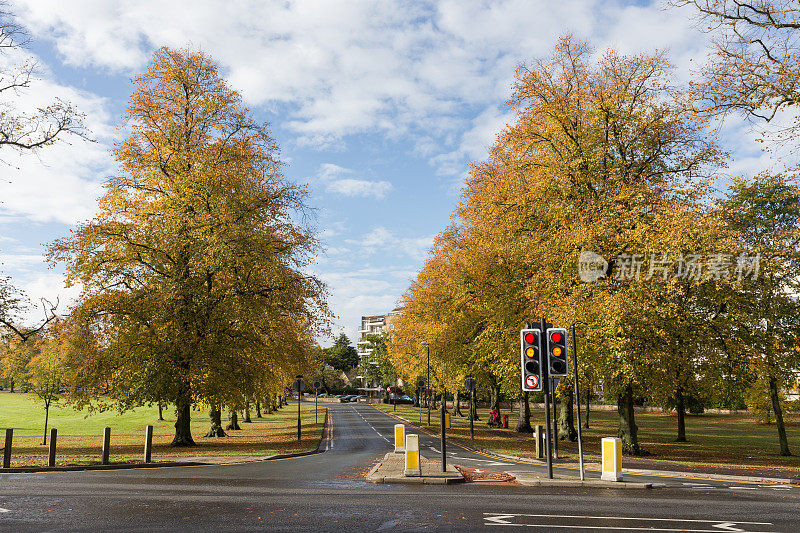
(373, 427)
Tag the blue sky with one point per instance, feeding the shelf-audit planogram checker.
(378, 106)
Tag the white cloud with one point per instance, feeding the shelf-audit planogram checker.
(383, 240)
(351, 66)
(332, 176)
(364, 188)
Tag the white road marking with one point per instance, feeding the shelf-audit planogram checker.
(643, 518)
(4, 510)
(742, 488)
(727, 526)
(500, 519)
(373, 427)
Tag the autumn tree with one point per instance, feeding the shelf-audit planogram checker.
(603, 156)
(193, 270)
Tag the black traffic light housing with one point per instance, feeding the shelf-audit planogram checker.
(531, 359)
(557, 352)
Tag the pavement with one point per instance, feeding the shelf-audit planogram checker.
(392, 470)
(329, 492)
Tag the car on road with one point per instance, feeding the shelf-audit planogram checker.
(359, 398)
(404, 400)
(345, 398)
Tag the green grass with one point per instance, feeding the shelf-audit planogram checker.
(79, 433)
(713, 439)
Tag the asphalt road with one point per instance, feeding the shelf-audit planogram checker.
(327, 492)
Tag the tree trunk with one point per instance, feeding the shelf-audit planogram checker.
(588, 399)
(160, 411)
(46, 416)
(524, 421)
(566, 416)
(12, 387)
(215, 417)
(233, 421)
(416, 399)
(776, 408)
(258, 409)
(183, 429)
(627, 423)
(680, 408)
(474, 407)
(247, 413)
(495, 401)
(457, 404)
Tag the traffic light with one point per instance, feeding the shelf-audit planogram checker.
(557, 352)
(530, 359)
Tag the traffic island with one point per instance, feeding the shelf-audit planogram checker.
(532, 479)
(391, 470)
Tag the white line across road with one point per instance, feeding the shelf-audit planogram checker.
(4, 510)
(639, 523)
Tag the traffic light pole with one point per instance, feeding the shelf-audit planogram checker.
(472, 415)
(444, 440)
(555, 417)
(577, 399)
(546, 387)
(428, 347)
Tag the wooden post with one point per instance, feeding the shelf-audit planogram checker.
(106, 444)
(51, 457)
(148, 443)
(7, 448)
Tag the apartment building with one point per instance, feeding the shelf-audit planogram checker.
(373, 325)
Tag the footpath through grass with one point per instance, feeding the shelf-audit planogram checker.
(80, 433)
(722, 441)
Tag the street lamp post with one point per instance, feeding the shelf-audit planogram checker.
(428, 395)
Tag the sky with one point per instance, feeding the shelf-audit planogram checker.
(379, 107)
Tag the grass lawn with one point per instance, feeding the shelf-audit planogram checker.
(713, 439)
(80, 433)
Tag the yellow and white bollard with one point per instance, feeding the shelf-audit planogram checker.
(413, 466)
(399, 438)
(612, 459)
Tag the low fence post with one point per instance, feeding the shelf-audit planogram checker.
(51, 456)
(7, 448)
(148, 443)
(106, 444)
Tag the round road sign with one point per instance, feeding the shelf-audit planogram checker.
(317, 384)
(469, 383)
(532, 381)
(421, 383)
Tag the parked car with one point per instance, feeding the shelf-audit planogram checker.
(359, 398)
(345, 398)
(404, 400)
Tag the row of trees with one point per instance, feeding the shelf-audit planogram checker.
(698, 297)
(193, 276)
